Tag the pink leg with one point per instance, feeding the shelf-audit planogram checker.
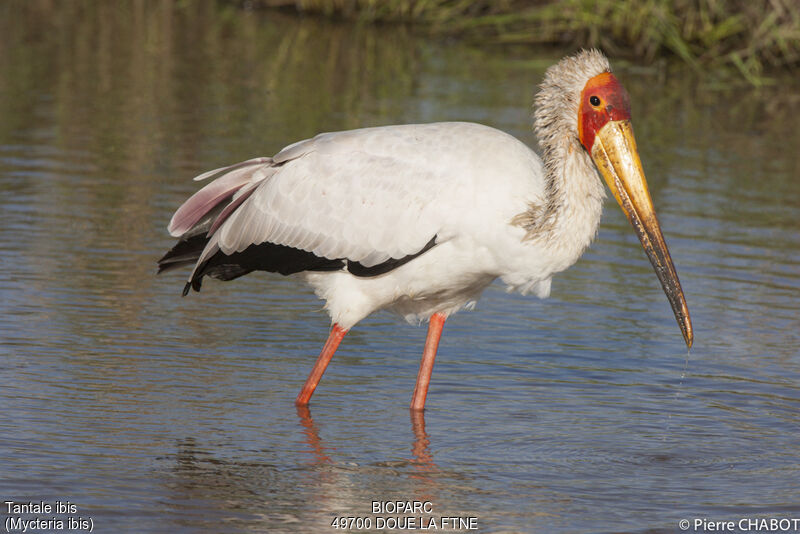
(334, 338)
(426, 365)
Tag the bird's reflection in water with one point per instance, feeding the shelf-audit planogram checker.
(312, 438)
(340, 487)
(420, 449)
(425, 472)
(421, 461)
(327, 483)
(422, 458)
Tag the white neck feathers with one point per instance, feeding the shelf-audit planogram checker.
(573, 190)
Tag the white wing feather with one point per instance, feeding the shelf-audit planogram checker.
(374, 194)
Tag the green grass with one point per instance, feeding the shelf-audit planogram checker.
(749, 37)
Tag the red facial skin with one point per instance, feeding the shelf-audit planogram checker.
(615, 105)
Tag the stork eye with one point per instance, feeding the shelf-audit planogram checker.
(594, 100)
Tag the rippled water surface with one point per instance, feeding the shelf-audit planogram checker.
(582, 413)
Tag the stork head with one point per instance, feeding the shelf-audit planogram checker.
(582, 98)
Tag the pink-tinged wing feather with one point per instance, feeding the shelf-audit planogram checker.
(229, 168)
(203, 201)
(243, 194)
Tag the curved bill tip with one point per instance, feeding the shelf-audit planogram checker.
(616, 156)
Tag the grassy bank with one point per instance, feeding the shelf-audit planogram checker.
(750, 37)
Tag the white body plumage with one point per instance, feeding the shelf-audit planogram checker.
(375, 194)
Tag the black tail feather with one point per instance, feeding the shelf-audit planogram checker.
(185, 252)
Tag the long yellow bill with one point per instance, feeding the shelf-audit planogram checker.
(615, 154)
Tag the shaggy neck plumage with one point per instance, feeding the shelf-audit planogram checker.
(573, 191)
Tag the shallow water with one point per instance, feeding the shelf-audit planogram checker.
(581, 413)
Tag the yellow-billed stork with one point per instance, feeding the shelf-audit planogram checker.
(421, 218)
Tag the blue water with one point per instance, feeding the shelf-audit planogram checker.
(581, 413)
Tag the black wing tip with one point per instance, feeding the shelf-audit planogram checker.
(185, 252)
